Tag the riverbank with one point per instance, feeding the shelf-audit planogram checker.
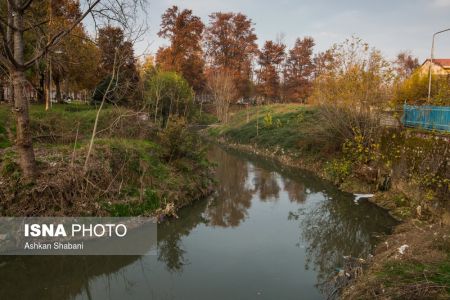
(406, 171)
(134, 168)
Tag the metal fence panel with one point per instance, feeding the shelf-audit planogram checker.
(427, 117)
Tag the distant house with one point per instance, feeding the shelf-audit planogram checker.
(440, 66)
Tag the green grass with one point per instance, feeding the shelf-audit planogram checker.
(150, 203)
(4, 121)
(404, 273)
(62, 120)
(289, 124)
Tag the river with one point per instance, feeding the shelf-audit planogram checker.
(268, 233)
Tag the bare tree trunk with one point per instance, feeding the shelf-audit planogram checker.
(41, 88)
(48, 85)
(94, 130)
(9, 42)
(23, 140)
(57, 82)
(2, 92)
(10, 96)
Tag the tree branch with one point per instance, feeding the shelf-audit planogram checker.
(59, 36)
(9, 55)
(35, 25)
(25, 5)
(4, 61)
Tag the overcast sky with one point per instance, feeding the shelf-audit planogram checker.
(389, 25)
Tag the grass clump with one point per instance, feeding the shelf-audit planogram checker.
(149, 204)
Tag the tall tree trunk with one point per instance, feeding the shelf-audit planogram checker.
(41, 88)
(2, 92)
(57, 82)
(23, 140)
(10, 96)
(9, 41)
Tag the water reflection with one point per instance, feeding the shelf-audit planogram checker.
(296, 190)
(330, 230)
(269, 232)
(234, 194)
(55, 277)
(170, 234)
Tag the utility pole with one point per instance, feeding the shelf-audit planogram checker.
(431, 62)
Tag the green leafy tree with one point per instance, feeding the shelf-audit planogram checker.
(168, 94)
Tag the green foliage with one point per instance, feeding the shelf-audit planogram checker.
(415, 90)
(338, 169)
(150, 203)
(102, 88)
(425, 163)
(287, 130)
(4, 123)
(4, 141)
(178, 142)
(203, 118)
(405, 273)
(166, 94)
(360, 148)
(8, 165)
(268, 120)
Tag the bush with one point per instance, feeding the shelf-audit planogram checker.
(178, 142)
(415, 90)
(338, 125)
(338, 169)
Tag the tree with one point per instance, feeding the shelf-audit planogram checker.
(168, 94)
(231, 46)
(353, 91)
(185, 54)
(114, 47)
(323, 63)
(222, 89)
(270, 58)
(18, 21)
(405, 64)
(298, 70)
(359, 77)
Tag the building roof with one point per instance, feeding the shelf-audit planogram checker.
(443, 62)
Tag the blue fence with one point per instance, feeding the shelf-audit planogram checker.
(427, 117)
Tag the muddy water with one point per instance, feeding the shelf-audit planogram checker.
(268, 233)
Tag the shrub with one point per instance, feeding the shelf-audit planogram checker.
(338, 169)
(415, 90)
(178, 142)
(168, 94)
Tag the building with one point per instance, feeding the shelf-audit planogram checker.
(440, 66)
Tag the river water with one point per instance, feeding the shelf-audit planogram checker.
(268, 233)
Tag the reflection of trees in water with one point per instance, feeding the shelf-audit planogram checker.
(295, 190)
(170, 233)
(234, 195)
(337, 227)
(266, 184)
(55, 277)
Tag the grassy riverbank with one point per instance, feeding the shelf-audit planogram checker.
(135, 168)
(407, 171)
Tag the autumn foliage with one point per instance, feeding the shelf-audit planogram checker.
(231, 45)
(185, 53)
(270, 59)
